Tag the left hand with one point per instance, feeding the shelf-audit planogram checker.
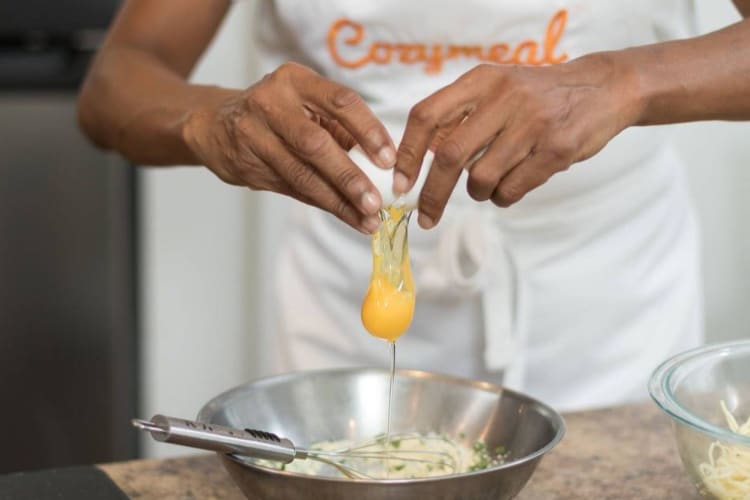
(534, 121)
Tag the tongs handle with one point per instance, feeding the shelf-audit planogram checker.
(212, 437)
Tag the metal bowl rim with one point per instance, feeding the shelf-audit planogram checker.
(545, 410)
(663, 396)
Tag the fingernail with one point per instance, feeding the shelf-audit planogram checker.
(425, 221)
(370, 202)
(371, 224)
(387, 156)
(400, 183)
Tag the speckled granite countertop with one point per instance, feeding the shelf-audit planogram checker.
(623, 453)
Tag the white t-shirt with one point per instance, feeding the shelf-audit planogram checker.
(575, 293)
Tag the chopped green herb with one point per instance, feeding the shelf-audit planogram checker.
(479, 446)
(484, 460)
(396, 443)
(398, 467)
(481, 465)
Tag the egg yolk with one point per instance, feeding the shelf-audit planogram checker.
(388, 306)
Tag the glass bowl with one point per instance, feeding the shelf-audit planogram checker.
(690, 388)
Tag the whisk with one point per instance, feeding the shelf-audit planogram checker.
(251, 443)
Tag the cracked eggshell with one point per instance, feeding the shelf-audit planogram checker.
(383, 178)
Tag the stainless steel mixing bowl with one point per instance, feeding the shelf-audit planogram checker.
(352, 404)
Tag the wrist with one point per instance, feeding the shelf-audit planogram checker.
(620, 74)
(644, 66)
(197, 124)
(194, 127)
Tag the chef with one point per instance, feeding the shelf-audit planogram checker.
(564, 261)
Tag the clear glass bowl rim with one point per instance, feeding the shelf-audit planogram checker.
(661, 392)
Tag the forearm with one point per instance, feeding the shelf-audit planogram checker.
(136, 105)
(703, 78)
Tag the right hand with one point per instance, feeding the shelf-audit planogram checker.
(289, 133)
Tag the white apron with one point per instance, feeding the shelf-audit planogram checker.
(572, 295)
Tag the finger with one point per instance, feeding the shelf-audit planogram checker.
(316, 147)
(425, 120)
(367, 225)
(443, 132)
(250, 170)
(308, 186)
(434, 196)
(264, 178)
(527, 176)
(339, 133)
(351, 111)
(453, 153)
(506, 152)
(468, 139)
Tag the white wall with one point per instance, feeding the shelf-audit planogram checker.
(196, 263)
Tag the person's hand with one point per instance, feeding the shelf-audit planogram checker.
(289, 133)
(534, 122)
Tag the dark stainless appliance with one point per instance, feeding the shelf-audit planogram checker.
(68, 362)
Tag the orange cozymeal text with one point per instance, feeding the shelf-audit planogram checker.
(345, 32)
